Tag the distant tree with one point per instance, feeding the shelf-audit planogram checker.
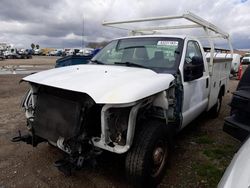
(37, 46)
(32, 46)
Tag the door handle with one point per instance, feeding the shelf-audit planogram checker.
(207, 83)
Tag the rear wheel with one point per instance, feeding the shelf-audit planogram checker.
(215, 110)
(146, 161)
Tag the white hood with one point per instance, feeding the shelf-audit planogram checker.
(105, 83)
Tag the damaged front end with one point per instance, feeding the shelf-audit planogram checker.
(73, 122)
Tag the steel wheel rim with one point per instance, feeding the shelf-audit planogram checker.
(159, 156)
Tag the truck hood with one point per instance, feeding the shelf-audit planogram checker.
(105, 83)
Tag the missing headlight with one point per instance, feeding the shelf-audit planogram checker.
(118, 124)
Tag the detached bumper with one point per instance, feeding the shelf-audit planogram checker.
(236, 129)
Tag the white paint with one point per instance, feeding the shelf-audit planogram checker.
(105, 83)
(196, 93)
(237, 173)
(167, 43)
(220, 76)
(246, 57)
(195, 99)
(235, 63)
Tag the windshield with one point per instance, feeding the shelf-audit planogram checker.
(157, 53)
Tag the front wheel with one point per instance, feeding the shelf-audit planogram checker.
(147, 159)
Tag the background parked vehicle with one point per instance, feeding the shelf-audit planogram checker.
(238, 123)
(85, 52)
(237, 173)
(238, 126)
(244, 64)
(56, 52)
(38, 52)
(235, 64)
(11, 53)
(15, 54)
(46, 51)
(84, 58)
(2, 57)
(72, 51)
(72, 60)
(246, 59)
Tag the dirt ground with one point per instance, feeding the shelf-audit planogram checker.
(199, 159)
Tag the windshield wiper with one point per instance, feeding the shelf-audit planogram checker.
(130, 64)
(97, 62)
(130, 47)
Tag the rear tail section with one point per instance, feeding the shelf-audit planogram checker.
(240, 72)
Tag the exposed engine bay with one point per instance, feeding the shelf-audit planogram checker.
(73, 122)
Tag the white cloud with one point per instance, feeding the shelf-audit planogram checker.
(60, 23)
(72, 36)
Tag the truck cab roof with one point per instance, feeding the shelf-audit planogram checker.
(156, 36)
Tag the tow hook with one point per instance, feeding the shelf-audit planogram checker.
(28, 139)
(24, 138)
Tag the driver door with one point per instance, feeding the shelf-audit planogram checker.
(195, 90)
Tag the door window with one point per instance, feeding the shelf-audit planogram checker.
(194, 64)
(193, 49)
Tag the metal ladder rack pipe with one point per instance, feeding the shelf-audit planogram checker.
(210, 29)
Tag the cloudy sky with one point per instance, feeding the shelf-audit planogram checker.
(59, 23)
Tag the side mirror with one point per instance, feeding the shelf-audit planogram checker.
(194, 69)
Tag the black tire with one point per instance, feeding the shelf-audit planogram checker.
(215, 110)
(147, 160)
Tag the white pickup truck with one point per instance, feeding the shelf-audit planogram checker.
(136, 93)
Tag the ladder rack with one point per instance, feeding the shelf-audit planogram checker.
(198, 22)
(210, 29)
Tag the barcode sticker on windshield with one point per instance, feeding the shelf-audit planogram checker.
(167, 43)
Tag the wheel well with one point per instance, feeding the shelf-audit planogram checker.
(140, 124)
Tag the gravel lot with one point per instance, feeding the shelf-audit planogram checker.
(200, 157)
(36, 60)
